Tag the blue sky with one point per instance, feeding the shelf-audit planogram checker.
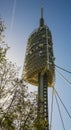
(21, 17)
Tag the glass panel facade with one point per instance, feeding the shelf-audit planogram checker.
(39, 56)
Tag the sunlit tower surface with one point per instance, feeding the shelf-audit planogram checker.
(39, 69)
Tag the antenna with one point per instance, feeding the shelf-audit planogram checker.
(41, 18)
(41, 12)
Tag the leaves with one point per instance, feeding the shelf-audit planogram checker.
(20, 104)
(7, 123)
(40, 123)
(3, 46)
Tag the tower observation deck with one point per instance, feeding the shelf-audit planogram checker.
(39, 69)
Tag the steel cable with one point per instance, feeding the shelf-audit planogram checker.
(60, 113)
(66, 80)
(63, 69)
(62, 103)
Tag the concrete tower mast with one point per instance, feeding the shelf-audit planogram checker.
(39, 69)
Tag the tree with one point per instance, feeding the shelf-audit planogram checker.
(3, 46)
(23, 107)
(18, 106)
(8, 75)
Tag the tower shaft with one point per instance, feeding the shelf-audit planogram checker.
(43, 99)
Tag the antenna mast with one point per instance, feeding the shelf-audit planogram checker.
(41, 12)
(41, 18)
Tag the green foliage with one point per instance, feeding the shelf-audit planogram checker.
(21, 107)
(3, 46)
(3, 52)
(7, 123)
(40, 123)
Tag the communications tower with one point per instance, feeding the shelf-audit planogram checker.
(39, 69)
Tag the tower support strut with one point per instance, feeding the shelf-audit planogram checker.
(43, 98)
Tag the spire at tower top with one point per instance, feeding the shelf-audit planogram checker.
(41, 18)
(41, 12)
